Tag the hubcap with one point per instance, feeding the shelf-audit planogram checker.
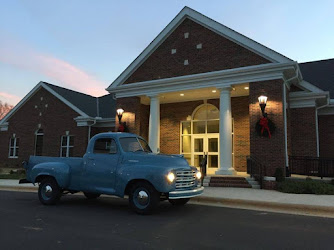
(48, 191)
(142, 198)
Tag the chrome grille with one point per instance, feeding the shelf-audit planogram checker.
(185, 179)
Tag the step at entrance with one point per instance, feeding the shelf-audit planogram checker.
(230, 181)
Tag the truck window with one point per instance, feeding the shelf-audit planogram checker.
(105, 146)
(133, 144)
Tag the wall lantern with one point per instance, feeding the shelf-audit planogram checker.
(263, 103)
(120, 112)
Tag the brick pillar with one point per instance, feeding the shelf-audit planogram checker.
(271, 152)
(131, 115)
(303, 132)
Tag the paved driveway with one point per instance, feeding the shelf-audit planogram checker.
(77, 223)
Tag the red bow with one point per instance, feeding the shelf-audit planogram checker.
(121, 128)
(264, 124)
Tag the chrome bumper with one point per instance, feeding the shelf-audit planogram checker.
(180, 194)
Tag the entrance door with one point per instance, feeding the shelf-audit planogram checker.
(206, 144)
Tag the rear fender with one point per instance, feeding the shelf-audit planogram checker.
(60, 171)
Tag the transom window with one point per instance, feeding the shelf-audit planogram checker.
(67, 145)
(105, 146)
(14, 147)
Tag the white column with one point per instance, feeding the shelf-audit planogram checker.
(154, 124)
(225, 133)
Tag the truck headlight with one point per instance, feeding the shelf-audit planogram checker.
(171, 177)
(198, 175)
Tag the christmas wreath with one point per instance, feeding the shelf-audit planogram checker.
(265, 127)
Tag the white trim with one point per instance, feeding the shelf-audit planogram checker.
(329, 110)
(218, 79)
(269, 178)
(197, 17)
(67, 146)
(30, 94)
(4, 126)
(302, 99)
(83, 121)
(309, 86)
(14, 147)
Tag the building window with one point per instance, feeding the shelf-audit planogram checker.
(39, 142)
(14, 147)
(67, 144)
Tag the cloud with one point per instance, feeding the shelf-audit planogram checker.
(59, 71)
(9, 98)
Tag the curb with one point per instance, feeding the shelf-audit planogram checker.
(18, 188)
(303, 209)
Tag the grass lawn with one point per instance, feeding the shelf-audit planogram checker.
(14, 176)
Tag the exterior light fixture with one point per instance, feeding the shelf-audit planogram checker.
(214, 91)
(182, 94)
(246, 87)
(120, 112)
(263, 103)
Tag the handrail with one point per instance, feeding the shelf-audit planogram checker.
(312, 166)
(256, 169)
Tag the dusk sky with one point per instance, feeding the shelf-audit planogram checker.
(84, 45)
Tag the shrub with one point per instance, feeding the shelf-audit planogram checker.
(279, 174)
(305, 187)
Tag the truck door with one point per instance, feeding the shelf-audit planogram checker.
(101, 164)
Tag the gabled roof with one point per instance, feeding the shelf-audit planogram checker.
(320, 74)
(220, 29)
(84, 105)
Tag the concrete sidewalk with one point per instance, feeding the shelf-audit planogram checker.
(247, 198)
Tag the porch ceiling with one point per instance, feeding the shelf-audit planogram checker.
(197, 94)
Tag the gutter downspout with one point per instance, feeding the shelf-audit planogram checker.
(89, 128)
(285, 84)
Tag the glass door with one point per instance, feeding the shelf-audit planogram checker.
(206, 144)
(212, 150)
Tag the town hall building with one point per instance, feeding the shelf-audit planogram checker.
(203, 90)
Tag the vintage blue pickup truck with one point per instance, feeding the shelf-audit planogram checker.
(120, 164)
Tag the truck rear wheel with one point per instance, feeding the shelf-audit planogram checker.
(49, 192)
(91, 196)
(143, 198)
(179, 202)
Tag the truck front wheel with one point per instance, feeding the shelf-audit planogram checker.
(143, 198)
(49, 192)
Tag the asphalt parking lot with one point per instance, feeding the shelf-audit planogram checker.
(78, 223)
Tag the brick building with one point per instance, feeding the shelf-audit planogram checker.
(194, 90)
(53, 121)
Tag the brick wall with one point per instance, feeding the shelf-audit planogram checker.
(131, 115)
(303, 132)
(240, 114)
(55, 119)
(326, 135)
(217, 53)
(170, 117)
(271, 151)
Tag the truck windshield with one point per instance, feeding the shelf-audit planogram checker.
(134, 144)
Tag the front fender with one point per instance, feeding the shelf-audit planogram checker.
(60, 171)
(155, 176)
